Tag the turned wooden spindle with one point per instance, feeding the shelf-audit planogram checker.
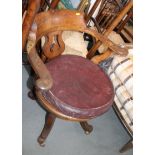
(87, 18)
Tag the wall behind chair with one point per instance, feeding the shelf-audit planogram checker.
(75, 4)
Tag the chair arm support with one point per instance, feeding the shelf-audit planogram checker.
(45, 81)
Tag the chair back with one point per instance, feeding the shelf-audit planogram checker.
(50, 25)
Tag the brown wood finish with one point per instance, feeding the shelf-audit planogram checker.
(43, 5)
(84, 6)
(74, 21)
(108, 11)
(46, 4)
(122, 24)
(54, 4)
(76, 24)
(86, 127)
(45, 80)
(49, 24)
(111, 27)
(49, 122)
(96, 25)
(97, 2)
(54, 40)
(127, 146)
(24, 6)
(51, 108)
(98, 58)
(33, 8)
(122, 27)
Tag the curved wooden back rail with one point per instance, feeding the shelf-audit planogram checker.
(63, 20)
(54, 45)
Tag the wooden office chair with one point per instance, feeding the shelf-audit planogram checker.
(66, 85)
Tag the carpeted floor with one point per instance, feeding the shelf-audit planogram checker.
(68, 138)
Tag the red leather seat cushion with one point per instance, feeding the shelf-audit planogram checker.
(81, 89)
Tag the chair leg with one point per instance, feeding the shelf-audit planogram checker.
(31, 94)
(127, 146)
(86, 127)
(49, 122)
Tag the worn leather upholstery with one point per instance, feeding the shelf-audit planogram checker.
(80, 89)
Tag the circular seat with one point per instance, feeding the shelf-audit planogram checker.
(80, 88)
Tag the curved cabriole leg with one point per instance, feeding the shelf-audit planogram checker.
(31, 94)
(49, 121)
(86, 127)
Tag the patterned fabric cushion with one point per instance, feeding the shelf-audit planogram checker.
(121, 74)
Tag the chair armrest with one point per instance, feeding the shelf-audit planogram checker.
(45, 81)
